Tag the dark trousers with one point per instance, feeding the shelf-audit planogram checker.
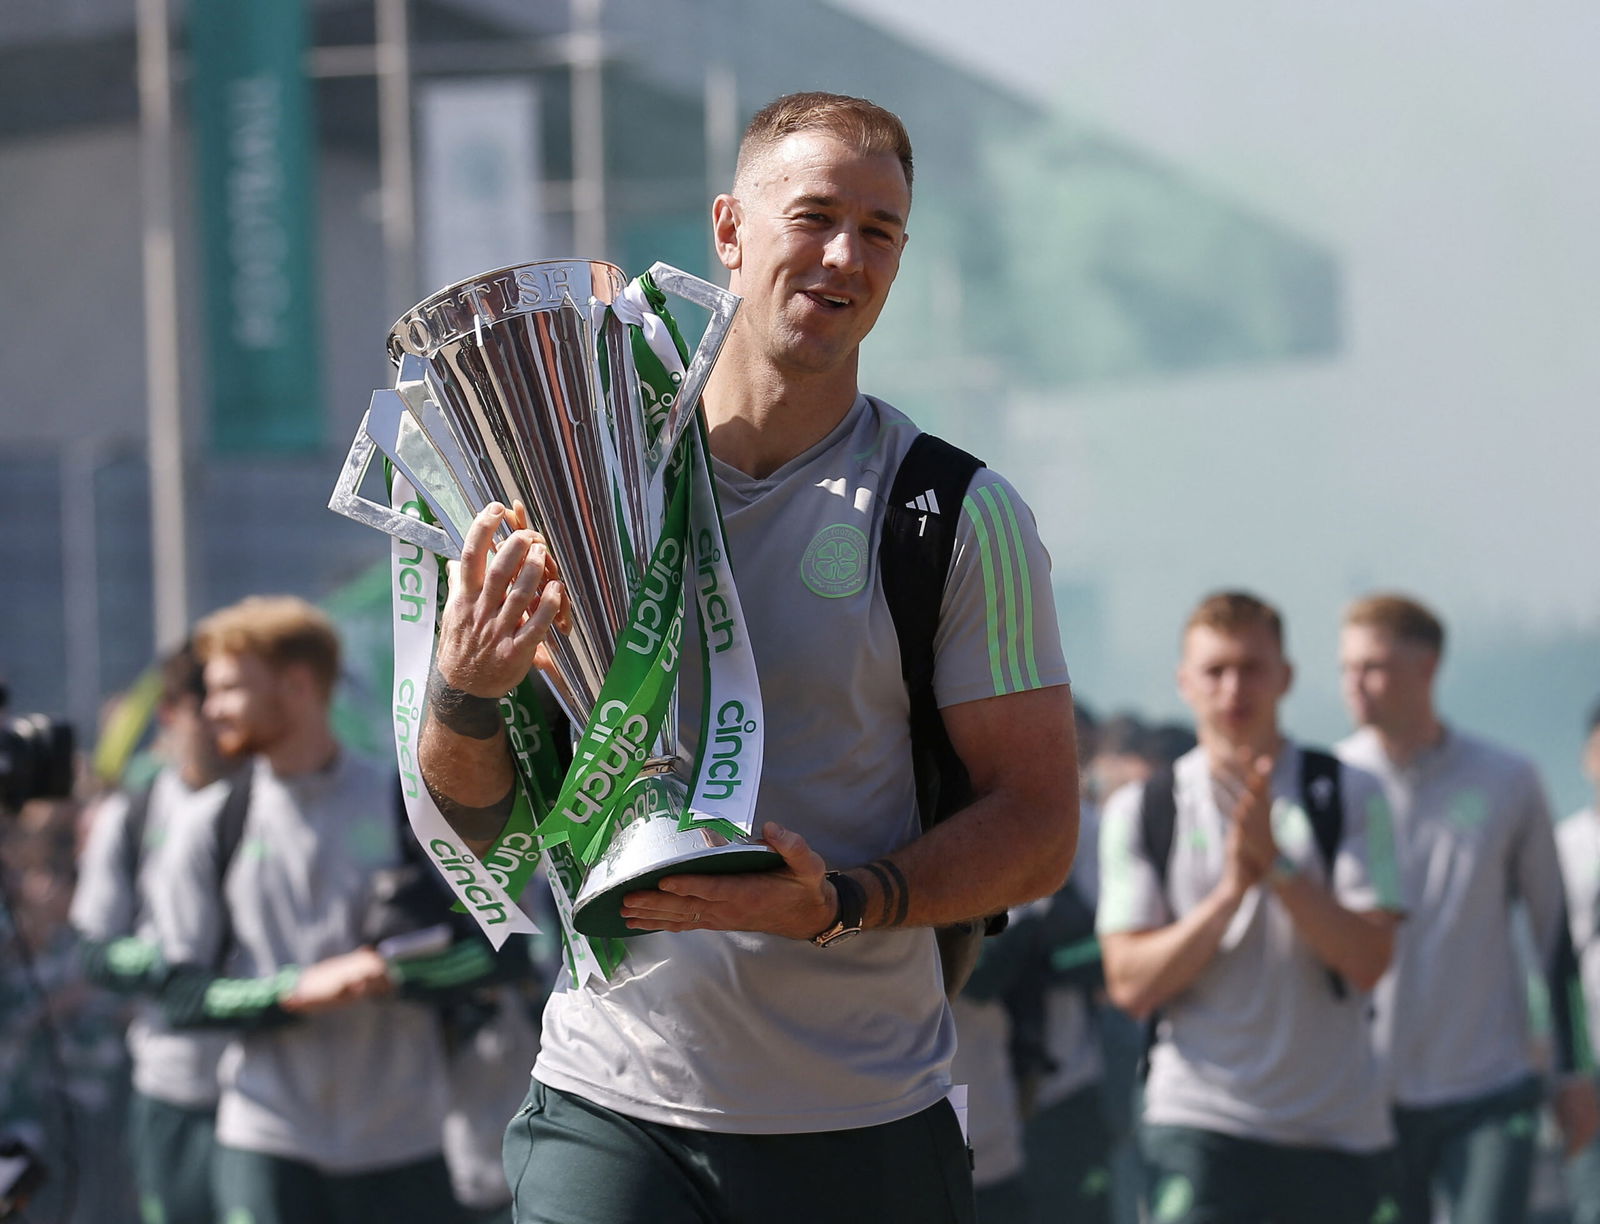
(171, 1148)
(570, 1161)
(1202, 1177)
(255, 1188)
(1478, 1154)
(1068, 1171)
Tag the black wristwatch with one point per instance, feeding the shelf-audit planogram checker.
(847, 921)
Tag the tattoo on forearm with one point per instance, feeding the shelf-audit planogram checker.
(475, 824)
(465, 714)
(896, 892)
(885, 893)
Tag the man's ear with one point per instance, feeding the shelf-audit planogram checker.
(727, 216)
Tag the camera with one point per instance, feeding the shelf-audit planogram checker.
(21, 1175)
(36, 762)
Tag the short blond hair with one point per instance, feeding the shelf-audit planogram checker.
(281, 630)
(865, 126)
(1233, 611)
(1405, 618)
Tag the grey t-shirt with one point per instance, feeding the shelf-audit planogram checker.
(1578, 843)
(750, 1033)
(351, 1090)
(179, 1068)
(983, 1064)
(1474, 835)
(1259, 1046)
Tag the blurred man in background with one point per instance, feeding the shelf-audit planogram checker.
(1226, 909)
(292, 916)
(172, 1113)
(1475, 838)
(1578, 843)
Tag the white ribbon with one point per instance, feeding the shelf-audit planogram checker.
(414, 576)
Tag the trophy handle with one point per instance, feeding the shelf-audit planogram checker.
(722, 305)
(347, 500)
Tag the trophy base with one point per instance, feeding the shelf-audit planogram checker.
(598, 911)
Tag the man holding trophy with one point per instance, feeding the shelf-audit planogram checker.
(747, 1058)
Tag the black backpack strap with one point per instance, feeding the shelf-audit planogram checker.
(914, 551)
(1158, 818)
(919, 535)
(130, 851)
(229, 831)
(1158, 821)
(1323, 795)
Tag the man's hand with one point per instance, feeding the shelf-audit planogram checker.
(1248, 783)
(1242, 868)
(792, 900)
(1576, 1105)
(338, 982)
(503, 600)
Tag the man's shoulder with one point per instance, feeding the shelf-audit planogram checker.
(1579, 834)
(1359, 748)
(1482, 754)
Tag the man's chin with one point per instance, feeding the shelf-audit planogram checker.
(236, 747)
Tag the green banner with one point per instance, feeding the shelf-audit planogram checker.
(254, 155)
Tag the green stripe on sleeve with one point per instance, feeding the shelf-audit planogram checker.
(1014, 679)
(238, 998)
(1083, 952)
(1025, 588)
(1381, 864)
(980, 529)
(1578, 1017)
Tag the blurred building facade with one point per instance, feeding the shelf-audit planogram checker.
(1043, 256)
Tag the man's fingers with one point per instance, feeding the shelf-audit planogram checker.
(475, 550)
(531, 633)
(507, 562)
(797, 855)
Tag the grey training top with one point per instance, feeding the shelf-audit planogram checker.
(179, 1068)
(1260, 1046)
(352, 1090)
(1474, 836)
(754, 1034)
(1578, 843)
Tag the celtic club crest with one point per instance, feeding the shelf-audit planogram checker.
(835, 562)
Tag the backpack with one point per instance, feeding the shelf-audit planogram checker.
(917, 541)
(1322, 796)
(410, 896)
(1320, 793)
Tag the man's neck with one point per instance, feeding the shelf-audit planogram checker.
(1222, 746)
(308, 750)
(1404, 742)
(759, 418)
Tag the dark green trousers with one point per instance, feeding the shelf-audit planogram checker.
(570, 1161)
(1202, 1177)
(1583, 1185)
(1004, 1202)
(171, 1149)
(1478, 1154)
(1068, 1172)
(255, 1188)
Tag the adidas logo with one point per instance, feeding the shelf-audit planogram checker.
(927, 502)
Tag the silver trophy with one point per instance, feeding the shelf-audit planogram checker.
(499, 395)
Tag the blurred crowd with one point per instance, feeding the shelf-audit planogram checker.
(1064, 1047)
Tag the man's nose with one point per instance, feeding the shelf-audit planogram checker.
(843, 251)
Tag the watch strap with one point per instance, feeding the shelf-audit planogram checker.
(852, 905)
